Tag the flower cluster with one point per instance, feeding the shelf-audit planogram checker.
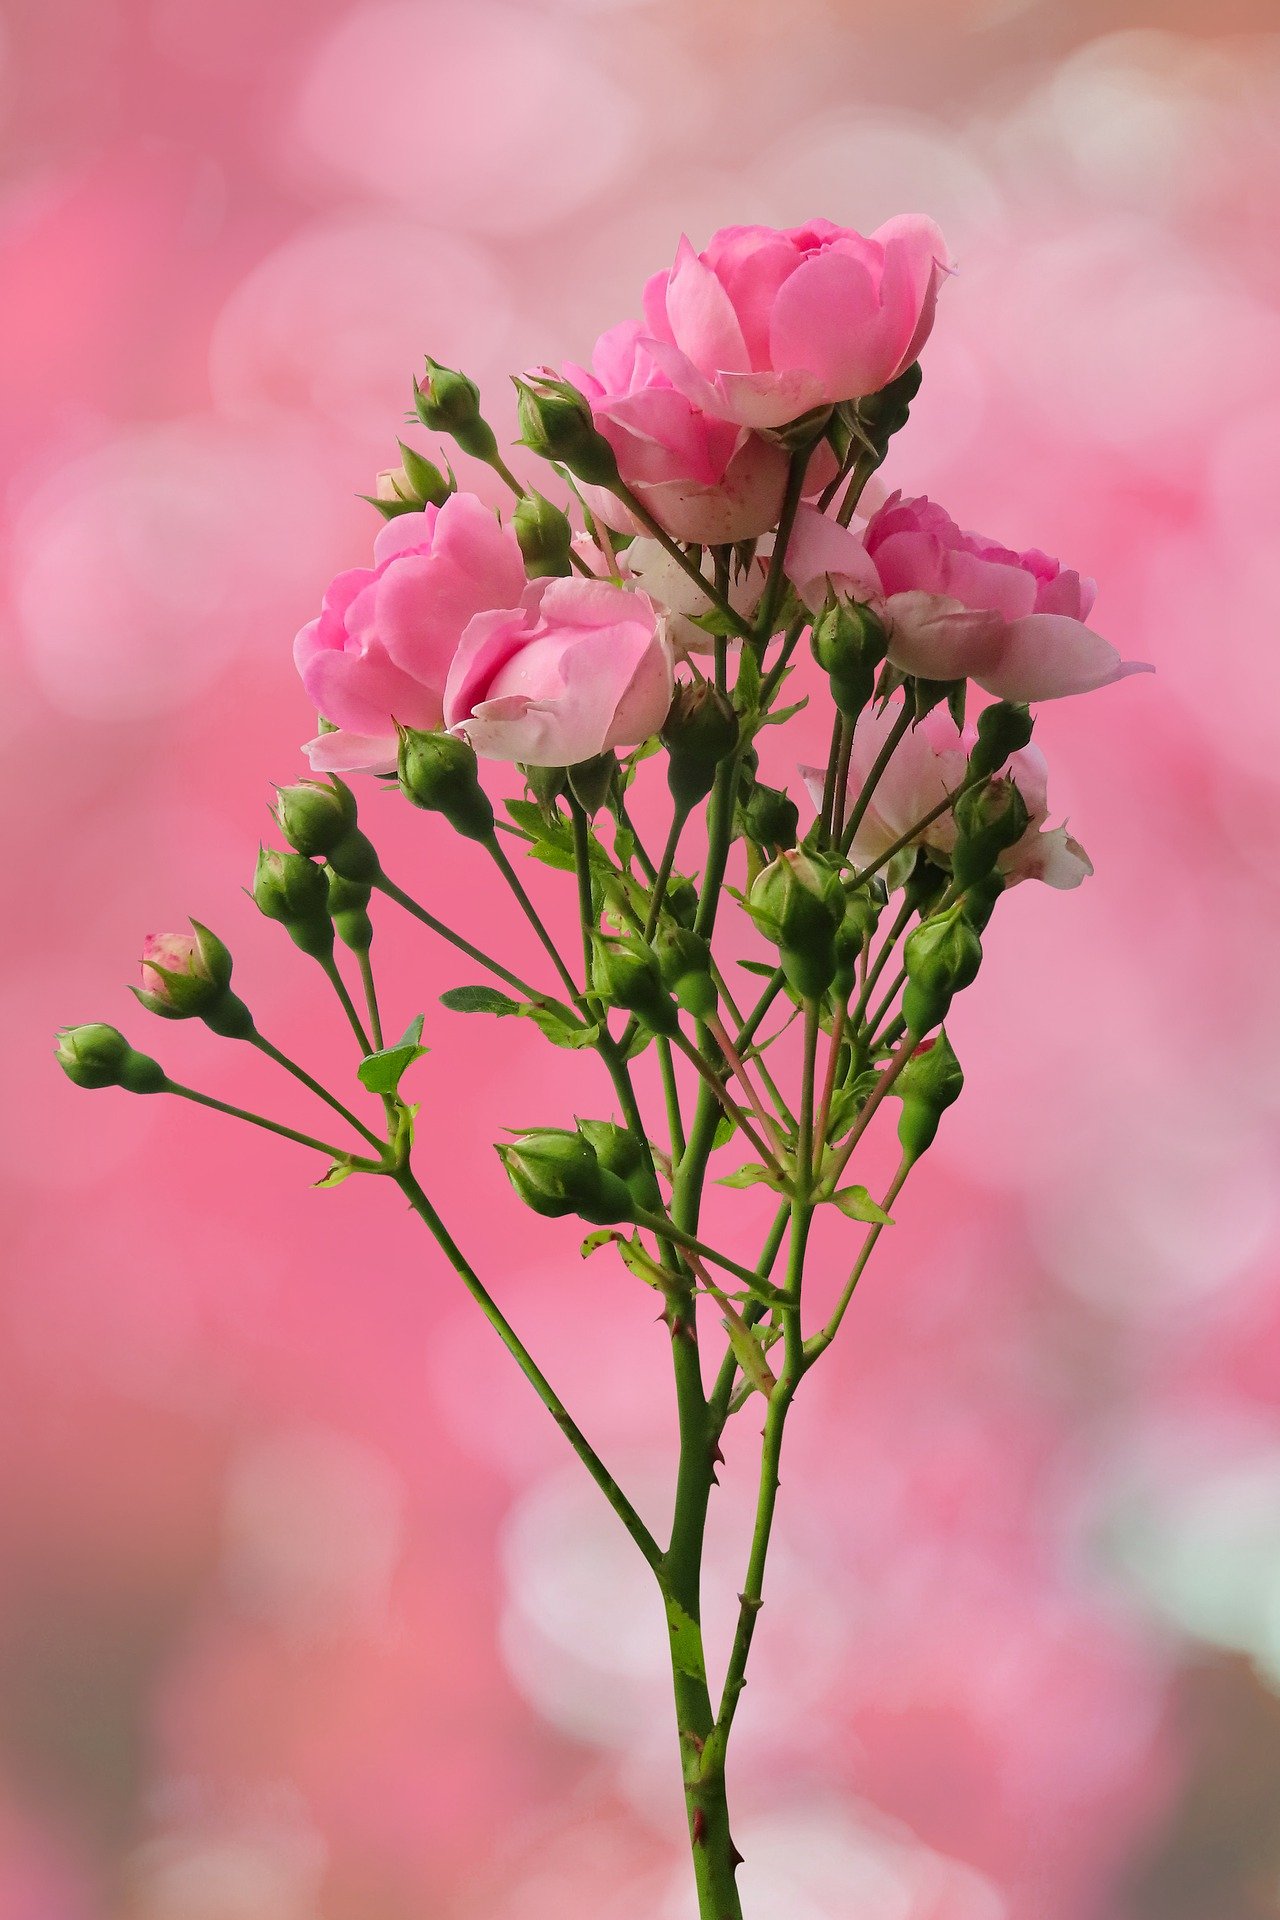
(711, 463)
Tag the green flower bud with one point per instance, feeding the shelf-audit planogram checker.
(591, 781)
(770, 817)
(293, 890)
(619, 1153)
(556, 423)
(100, 1056)
(447, 402)
(556, 1172)
(349, 911)
(849, 643)
(423, 484)
(626, 973)
(700, 730)
(184, 975)
(1003, 730)
(799, 904)
(861, 914)
(684, 959)
(942, 957)
(989, 819)
(545, 536)
(930, 1082)
(680, 901)
(438, 772)
(314, 816)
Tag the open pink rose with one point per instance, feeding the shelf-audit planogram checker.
(764, 325)
(577, 667)
(382, 647)
(701, 477)
(959, 604)
(928, 764)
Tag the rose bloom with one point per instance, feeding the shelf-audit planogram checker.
(702, 478)
(957, 604)
(929, 763)
(764, 325)
(577, 667)
(382, 647)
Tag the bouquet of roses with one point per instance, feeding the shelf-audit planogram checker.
(707, 472)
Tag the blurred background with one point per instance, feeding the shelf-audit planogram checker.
(305, 1613)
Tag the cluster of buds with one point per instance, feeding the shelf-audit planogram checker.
(598, 1171)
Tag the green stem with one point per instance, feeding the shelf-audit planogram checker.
(882, 1087)
(329, 965)
(550, 1399)
(671, 1096)
(263, 1045)
(904, 840)
(532, 915)
(371, 998)
(672, 547)
(666, 1229)
(878, 766)
(269, 1126)
(678, 818)
(771, 598)
(411, 906)
(586, 896)
(712, 1079)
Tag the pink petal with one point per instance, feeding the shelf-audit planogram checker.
(938, 639)
(763, 400)
(344, 752)
(822, 553)
(828, 319)
(1048, 657)
(703, 322)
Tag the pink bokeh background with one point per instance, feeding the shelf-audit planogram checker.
(304, 1612)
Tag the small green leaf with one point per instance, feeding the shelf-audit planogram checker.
(480, 1000)
(749, 1355)
(857, 1204)
(761, 967)
(559, 1024)
(780, 716)
(382, 1072)
(594, 1241)
(632, 1253)
(725, 1130)
(340, 1170)
(747, 690)
(753, 1175)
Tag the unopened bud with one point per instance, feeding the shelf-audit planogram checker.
(424, 484)
(942, 957)
(1003, 730)
(626, 973)
(798, 904)
(447, 402)
(990, 819)
(349, 911)
(556, 1172)
(591, 781)
(293, 890)
(314, 815)
(545, 536)
(930, 1082)
(556, 423)
(183, 974)
(700, 730)
(849, 643)
(770, 817)
(680, 901)
(100, 1056)
(438, 772)
(684, 959)
(860, 916)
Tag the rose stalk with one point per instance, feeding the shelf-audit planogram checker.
(709, 466)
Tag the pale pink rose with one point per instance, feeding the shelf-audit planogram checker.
(929, 763)
(822, 556)
(764, 325)
(961, 605)
(577, 667)
(382, 647)
(701, 478)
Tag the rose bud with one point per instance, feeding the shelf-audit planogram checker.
(438, 773)
(618, 1152)
(700, 730)
(293, 890)
(447, 402)
(556, 1172)
(684, 960)
(349, 911)
(545, 536)
(100, 1056)
(989, 820)
(930, 1082)
(626, 973)
(978, 901)
(798, 904)
(770, 817)
(314, 815)
(942, 957)
(1003, 730)
(183, 974)
(680, 901)
(849, 643)
(860, 916)
(556, 423)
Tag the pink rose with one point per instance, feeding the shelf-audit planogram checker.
(929, 763)
(959, 604)
(701, 478)
(382, 647)
(763, 325)
(577, 667)
(822, 555)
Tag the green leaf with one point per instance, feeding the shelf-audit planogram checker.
(632, 1253)
(749, 1355)
(381, 1072)
(856, 1203)
(753, 1175)
(559, 1024)
(725, 1130)
(480, 1000)
(747, 690)
(780, 715)
(714, 622)
(761, 967)
(340, 1170)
